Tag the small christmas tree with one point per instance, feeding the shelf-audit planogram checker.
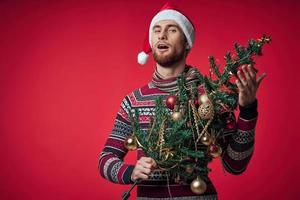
(184, 133)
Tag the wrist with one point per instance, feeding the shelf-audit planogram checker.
(249, 111)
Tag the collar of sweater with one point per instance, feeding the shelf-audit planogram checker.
(170, 84)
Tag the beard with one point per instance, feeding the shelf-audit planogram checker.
(170, 59)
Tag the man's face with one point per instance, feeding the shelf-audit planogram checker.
(168, 43)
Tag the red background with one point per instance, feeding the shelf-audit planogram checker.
(66, 65)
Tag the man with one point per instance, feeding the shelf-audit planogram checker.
(171, 37)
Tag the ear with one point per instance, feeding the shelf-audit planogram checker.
(187, 46)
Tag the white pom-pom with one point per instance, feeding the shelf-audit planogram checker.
(142, 58)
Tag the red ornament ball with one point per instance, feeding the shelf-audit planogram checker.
(171, 101)
(215, 150)
(230, 124)
(201, 89)
(196, 102)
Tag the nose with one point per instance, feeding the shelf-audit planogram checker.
(162, 35)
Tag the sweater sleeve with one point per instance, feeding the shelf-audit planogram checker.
(239, 142)
(111, 165)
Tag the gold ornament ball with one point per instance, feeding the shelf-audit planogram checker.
(206, 110)
(198, 186)
(176, 116)
(131, 143)
(203, 98)
(206, 139)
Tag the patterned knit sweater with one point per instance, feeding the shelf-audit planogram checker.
(237, 145)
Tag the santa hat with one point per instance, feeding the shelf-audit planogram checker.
(167, 12)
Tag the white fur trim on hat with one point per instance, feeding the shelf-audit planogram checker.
(142, 58)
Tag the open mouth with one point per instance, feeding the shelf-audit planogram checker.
(162, 47)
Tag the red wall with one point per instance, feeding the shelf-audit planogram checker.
(66, 65)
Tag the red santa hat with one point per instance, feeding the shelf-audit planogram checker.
(167, 12)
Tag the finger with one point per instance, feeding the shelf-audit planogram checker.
(146, 171)
(146, 165)
(141, 176)
(241, 79)
(138, 168)
(154, 164)
(249, 80)
(259, 79)
(252, 72)
(142, 170)
(146, 159)
(239, 85)
(151, 161)
(243, 65)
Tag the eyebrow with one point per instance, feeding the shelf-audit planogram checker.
(168, 26)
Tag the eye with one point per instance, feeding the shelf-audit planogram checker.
(156, 31)
(172, 30)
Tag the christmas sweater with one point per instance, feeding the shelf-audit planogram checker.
(237, 144)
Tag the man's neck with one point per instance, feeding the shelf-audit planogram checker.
(171, 71)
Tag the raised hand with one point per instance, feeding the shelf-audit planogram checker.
(248, 84)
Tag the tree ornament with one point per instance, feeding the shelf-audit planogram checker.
(176, 116)
(198, 186)
(171, 101)
(189, 169)
(161, 139)
(203, 98)
(230, 124)
(196, 102)
(206, 110)
(201, 89)
(206, 139)
(178, 179)
(215, 150)
(167, 153)
(131, 143)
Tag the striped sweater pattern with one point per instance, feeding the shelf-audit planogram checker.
(237, 144)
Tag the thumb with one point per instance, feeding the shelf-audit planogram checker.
(260, 78)
(154, 164)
